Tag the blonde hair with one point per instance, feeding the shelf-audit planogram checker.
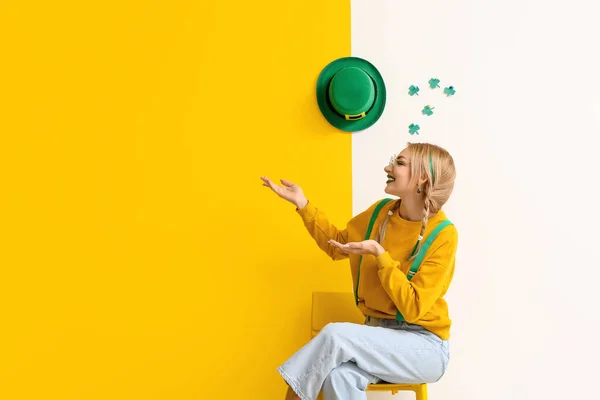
(437, 166)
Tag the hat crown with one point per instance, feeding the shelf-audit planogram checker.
(351, 91)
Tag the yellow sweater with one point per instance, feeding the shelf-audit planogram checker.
(383, 285)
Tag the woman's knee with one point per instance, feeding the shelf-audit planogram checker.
(335, 329)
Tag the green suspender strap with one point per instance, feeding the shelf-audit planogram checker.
(419, 258)
(367, 237)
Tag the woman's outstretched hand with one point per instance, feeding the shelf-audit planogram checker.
(364, 247)
(289, 191)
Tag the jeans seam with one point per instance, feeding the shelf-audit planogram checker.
(317, 365)
(293, 384)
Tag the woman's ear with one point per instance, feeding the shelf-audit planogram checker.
(423, 180)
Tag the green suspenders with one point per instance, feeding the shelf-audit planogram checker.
(367, 237)
(418, 259)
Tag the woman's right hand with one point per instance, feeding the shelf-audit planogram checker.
(289, 191)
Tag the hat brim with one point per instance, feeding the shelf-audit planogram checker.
(334, 118)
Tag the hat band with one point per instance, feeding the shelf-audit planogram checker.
(355, 117)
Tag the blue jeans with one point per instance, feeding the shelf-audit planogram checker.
(344, 358)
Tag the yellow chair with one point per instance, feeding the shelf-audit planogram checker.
(340, 307)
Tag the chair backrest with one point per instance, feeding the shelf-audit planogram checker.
(333, 307)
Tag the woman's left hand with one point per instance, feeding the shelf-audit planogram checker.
(364, 247)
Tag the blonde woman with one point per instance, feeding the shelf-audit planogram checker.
(402, 256)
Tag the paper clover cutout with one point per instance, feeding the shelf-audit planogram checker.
(427, 110)
(434, 83)
(412, 129)
(449, 91)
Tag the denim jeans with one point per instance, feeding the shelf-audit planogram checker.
(344, 358)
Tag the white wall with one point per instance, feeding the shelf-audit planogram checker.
(523, 127)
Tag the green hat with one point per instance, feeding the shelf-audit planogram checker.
(351, 94)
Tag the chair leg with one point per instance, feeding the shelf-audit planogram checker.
(421, 392)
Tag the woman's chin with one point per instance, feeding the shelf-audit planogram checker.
(390, 190)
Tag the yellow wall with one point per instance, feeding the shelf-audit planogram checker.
(141, 258)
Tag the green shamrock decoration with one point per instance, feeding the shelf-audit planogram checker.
(412, 90)
(449, 91)
(434, 82)
(412, 129)
(428, 110)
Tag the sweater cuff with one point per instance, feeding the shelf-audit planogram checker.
(307, 212)
(385, 260)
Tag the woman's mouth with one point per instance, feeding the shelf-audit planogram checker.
(390, 179)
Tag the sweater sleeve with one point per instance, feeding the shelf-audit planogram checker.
(415, 298)
(319, 227)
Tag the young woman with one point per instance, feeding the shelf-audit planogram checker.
(401, 269)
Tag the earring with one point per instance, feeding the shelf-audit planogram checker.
(418, 189)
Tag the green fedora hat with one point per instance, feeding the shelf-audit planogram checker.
(351, 94)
